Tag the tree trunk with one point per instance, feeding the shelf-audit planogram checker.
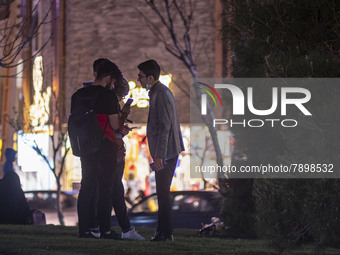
(208, 120)
(59, 206)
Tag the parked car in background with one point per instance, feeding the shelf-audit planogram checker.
(190, 209)
(46, 199)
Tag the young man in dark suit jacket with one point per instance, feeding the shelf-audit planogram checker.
(165, 142)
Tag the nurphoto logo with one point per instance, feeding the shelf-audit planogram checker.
(264, 128)
(295, 96)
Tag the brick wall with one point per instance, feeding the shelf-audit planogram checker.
(114, 29)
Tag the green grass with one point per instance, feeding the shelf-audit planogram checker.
(55, 240)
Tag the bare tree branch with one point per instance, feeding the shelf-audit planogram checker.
(184, 53)
(158, 34)
(186, 22)
(58, 141)
(41, 154)
(67, 149)
(13, 39)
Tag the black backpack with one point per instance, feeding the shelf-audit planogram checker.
(86, 135)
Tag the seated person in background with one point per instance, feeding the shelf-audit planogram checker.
(13, 205)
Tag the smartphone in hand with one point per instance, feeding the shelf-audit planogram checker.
(128, 102)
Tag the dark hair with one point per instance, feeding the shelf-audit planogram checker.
(122, 87)
(150, 67)
(96, 64)
(108, 68)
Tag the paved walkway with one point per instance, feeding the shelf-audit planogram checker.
(70, 217)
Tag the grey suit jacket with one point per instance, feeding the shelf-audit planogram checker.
(163, 130)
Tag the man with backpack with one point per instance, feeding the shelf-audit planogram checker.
(94, 140)
(118, 200)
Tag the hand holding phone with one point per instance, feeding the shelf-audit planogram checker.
(128, 103)
(124, 130)
(126, 107)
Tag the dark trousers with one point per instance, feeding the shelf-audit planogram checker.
(118, 199)
(163, 182)
(96, 174)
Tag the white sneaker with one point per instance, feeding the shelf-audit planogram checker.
(132, 235)
(95, 233)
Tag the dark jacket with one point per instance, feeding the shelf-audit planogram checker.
(13, 205)
(163, 129)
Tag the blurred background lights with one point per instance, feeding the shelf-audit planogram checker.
(140, 96)
(165, 79)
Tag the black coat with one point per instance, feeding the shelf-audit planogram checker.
(13, 205)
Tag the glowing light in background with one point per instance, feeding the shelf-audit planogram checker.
(0, 147)
(40, 109)
(165, 79)
(140, 96)
(40, 176)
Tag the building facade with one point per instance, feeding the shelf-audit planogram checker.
(58, 58)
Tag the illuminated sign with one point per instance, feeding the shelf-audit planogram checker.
(140, 95)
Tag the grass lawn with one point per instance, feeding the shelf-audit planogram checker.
(53, 240)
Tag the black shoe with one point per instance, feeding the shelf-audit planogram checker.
(87, 235)
(160, 237)
(169, 238)
(156, 236)
(113, 235)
